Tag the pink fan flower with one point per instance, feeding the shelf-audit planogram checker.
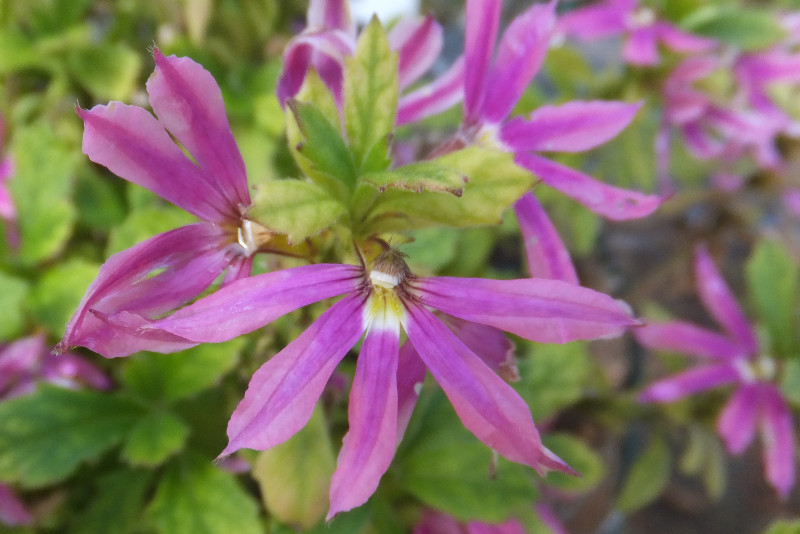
(639, 24)
(491, 89)
(24, 364)
(330, 36)
(732, 357)
(381, 300)
(169, 269)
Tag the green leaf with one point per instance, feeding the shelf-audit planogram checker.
(647, 478)
(552, 377)
(494, 183)
(45, 213)
(447, 468)
(746, 29)
(108, 72)
(419, 177)
(431, 249)
(196, 496)
(323, 148)
(155, 438)
(143, 224)
(170, 377)
(784, 526)
(294, 476)
(790, 381)
(296, 208)
(99, 200)
(18, 51)
(12, 298)
(44, 436)
(772, 278)
(56, 296)
(118, 501)
(578, 456)
(371, 91)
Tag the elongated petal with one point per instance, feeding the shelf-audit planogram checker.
(519, 57)
(687, 338)
(680, 41)
(487, 406)
(606, 200)
(594, 22)
(188, 102)
(480, 34)
(441, 94)
(12, 510)
(779, 441)
(250, 303)
(191, 258)
(418, 41)
(737, 422)
(333, 14)
(18, 359)
(132, 144)
(325, 51)
(641, 48)
(490, 344)
(547, 311)
(283, 392)
(369, 445)
(688, 382)
(547, 256)
(720, 303)
(410, 377)
(72, 371)
(571, 127)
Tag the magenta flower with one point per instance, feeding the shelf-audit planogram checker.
(138, 147)
(330, 36)
(8, 211)
(491, 89)
(434, 522)
(639, 24)
(379, 301)
(12, 510)
(731, 357)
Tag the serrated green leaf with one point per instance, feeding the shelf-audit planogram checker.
(647, 478)
(118, 501)
(170, 377)
(323, 148)
(44, 436)
(196, 496)
(294, 476)
(419, 177)
(296, 208)
(371, 90)
(13, 295)
(108, 72)
(494, 182)
(552, 377)
(772, 278)
(55, 297)
(159, 435)
(45, 213)
(578, 456)
(746, 29)
(447, 468)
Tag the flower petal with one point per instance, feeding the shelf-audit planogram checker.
(132, 144)
(688, 382)
(480, 34)
(419, 41)
(681, 41)
(547, 311)
(192, 257)
(594, 21)
(250, 303)
(720, 303)
(606, 200)
(737, 422)
(332, 14)
(570, 127)
(369, 445)
(12, 510)
(779, 440)
(488, 343)
(687, 338)
(487, 405)
(641, 48)
(283, 392)
(547, 256)
(519, 57)
(188, 102)
(72, 371)
(410, 377)
(441, 94)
